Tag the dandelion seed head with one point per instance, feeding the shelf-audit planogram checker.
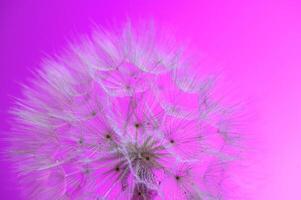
(120, 115)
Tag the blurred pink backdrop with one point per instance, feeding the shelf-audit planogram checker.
(257, 43)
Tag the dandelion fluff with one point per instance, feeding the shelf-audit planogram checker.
(120, 115)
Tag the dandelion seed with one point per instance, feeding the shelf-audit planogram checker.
(120, 116)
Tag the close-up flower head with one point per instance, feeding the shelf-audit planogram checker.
(121, 115)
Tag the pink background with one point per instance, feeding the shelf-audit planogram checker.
(258, 43)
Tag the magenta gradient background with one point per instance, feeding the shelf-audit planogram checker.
(258, 43)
